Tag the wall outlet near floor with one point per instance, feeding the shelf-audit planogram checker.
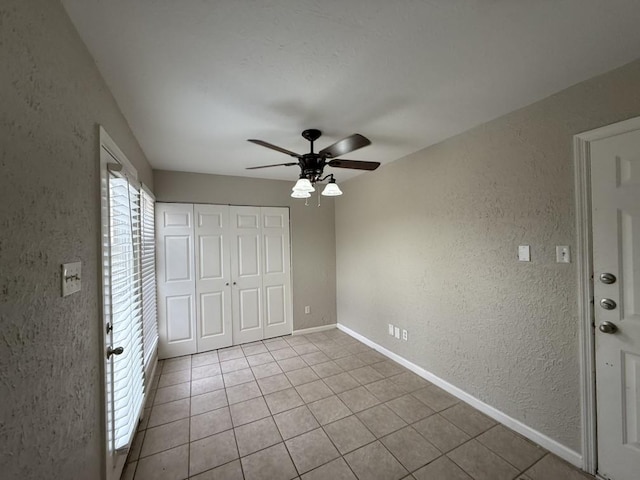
(396, 331)
(405, 335)
(390, 329)
(307, 309)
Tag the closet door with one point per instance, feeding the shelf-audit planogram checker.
(246, 273)
(213, 292)
(176, 280)
(276, 278)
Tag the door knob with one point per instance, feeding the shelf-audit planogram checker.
(608, 304)
(607, 327)
(227, 284)
(234, 283)
(114, 351)
(608, 278)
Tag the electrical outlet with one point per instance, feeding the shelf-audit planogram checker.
(405, 335)
(307, 309)
(396, 331)
(390, 329)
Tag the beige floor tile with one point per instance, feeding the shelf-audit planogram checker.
(260, 359)
(374, 462)
(296, 421)
(292, 364)
(144, 421)
(350, 362)
(276, 344)
(435, 398)
(327, 369)
(245, 391)
(312, 391)
(169, 412)
(233, 365)
(358, 399)
(206, 385)
(129, 471)
(311, 449)
(296, 340)
(305, 348)
(211, 452)
(136, 446)
(206, 358)
(283, 400)
(257, 435)
(208, 401)
(273, 463)
(329, 410)
(274, 384)
(232, 379)
(441, 432)
(381, 420)
(176, 364)
(254, 349)
(205, 371)
(302, 376)
(512, 447)
(468, 419)
(386, 390)
(410, 448)
(370, 357)
(551, 467)
(481, 463)
(388, 368)
(228, 471)
(337, 352)
(348, 434)
(165, 437)
(315, 358)
(173, 378)
(210, 423)
(230, 353)
(168, 465)
(266, 370)
(172, 393)
(365, 375)
(341, 383)
(410, 381)
(409, 408)
(249, 411)
(441, 469)
(334, 470)
(284, 353)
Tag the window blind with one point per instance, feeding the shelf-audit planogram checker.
(148, 270)
(126, 310)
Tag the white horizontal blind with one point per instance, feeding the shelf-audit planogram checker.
(126, 310)
(148, 266)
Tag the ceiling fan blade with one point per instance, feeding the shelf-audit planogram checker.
(344, 146)
(273, 147)
(290, 164)
(355, 164)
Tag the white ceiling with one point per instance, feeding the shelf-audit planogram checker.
(196, 78)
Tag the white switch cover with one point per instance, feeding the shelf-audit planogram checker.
(307, 309)
(390, 329)
(524, 253)
(563, 254)
(397, 332)
(71, 278)
(405, 335)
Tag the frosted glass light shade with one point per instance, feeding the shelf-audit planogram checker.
(299, 194)
(331, 190)
(303, 185)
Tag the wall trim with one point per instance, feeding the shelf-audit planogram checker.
(541, 439)
(321, 328)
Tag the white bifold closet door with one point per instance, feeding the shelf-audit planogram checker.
(237, 289)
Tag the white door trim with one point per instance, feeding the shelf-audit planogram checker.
(584, 256)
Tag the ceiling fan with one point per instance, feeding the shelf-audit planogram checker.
(312, 164)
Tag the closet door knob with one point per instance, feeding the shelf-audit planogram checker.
(227, 284)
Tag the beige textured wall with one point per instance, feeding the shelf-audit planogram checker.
(312, 232)
(429, 243)
(52, 98)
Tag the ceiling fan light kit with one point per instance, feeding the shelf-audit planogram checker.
(312, 164)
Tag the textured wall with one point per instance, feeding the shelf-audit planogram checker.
(313, 250)
(52, 98)
(429, 243)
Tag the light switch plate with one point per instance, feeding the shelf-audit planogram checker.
(397, 332)
(390, 329)
(71, 278)
(524, 253)
(563, 254)
(307, 309)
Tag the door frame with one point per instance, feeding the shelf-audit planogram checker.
(584, 261)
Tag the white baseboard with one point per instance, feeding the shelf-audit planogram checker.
(553, 446)
(306, 331)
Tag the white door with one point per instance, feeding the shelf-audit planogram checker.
(176, 280)
(246, 274)
(213, 276)
(276, 278)
(615, 190)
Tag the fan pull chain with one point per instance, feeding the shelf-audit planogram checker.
(318, 196)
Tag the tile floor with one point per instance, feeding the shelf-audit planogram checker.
(319, 406)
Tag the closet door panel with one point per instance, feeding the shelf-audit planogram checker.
(213, 277)
(277, 277)
(246, 272)
(176, 280)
